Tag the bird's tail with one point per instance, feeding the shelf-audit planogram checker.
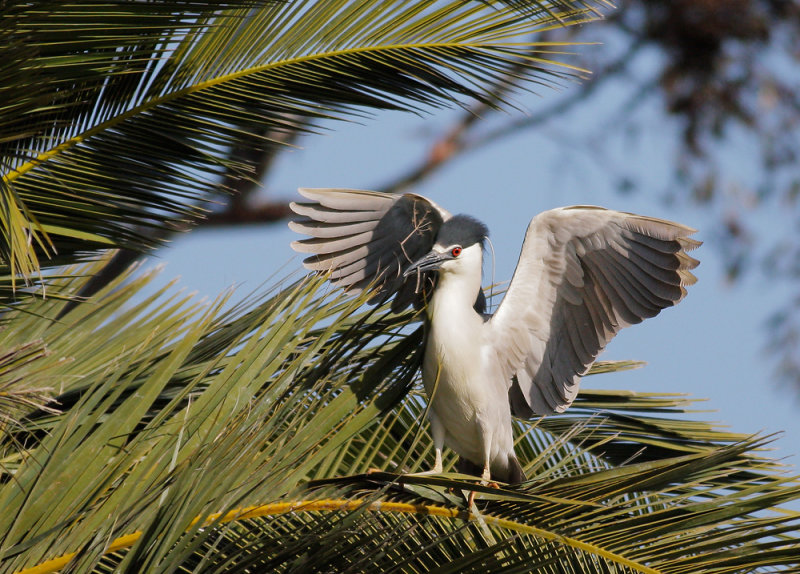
(515, 472)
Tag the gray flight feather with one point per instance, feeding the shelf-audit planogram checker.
(365, 238)
(583, 274)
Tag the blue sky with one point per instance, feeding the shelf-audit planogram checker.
(711, 346)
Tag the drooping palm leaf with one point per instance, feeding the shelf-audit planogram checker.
(171, 415)
(130, 112)
(175, 414)
(151, 389)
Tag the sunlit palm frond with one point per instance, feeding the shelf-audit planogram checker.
(131, 129)
(170, 398)
(174, 414)
(20, 394)
(158, 433)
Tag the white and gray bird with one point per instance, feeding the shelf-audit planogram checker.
(583, 274)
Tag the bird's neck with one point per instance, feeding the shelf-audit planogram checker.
(453, 350)
(454, 296)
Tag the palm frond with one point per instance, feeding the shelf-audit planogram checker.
(161, 433)
(131, 129)
(165, 387)
(190, 437)
(21, 394)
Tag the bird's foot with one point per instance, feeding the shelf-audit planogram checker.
(434, 470)
(489, 483)
(437, 466)
(486, 480)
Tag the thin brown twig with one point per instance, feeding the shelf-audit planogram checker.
(457, 141)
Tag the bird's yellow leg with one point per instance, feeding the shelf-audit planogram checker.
(438, 432)
(486, 476)
(486, 480)
(486, 439)
(438, 443)
(437, 465)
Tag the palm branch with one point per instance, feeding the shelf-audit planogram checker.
(128, 117)
(190, 436)
(159, 433)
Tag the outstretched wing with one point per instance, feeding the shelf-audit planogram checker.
(584, 273)
(365, 238)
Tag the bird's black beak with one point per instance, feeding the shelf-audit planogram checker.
(432, 261)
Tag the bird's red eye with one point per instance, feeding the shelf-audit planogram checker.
(455, 251)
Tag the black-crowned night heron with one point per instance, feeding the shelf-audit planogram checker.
(583, 274)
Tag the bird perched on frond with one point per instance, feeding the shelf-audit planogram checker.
(583, 274)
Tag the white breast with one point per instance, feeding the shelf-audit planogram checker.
(457, 377)
(453, 362)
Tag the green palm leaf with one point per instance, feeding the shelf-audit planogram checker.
(173, 415)
(162, 434)
(131, 129)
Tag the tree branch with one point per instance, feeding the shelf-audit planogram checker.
(456, 141)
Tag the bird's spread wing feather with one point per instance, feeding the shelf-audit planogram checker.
(367, 238)
(584, 273)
